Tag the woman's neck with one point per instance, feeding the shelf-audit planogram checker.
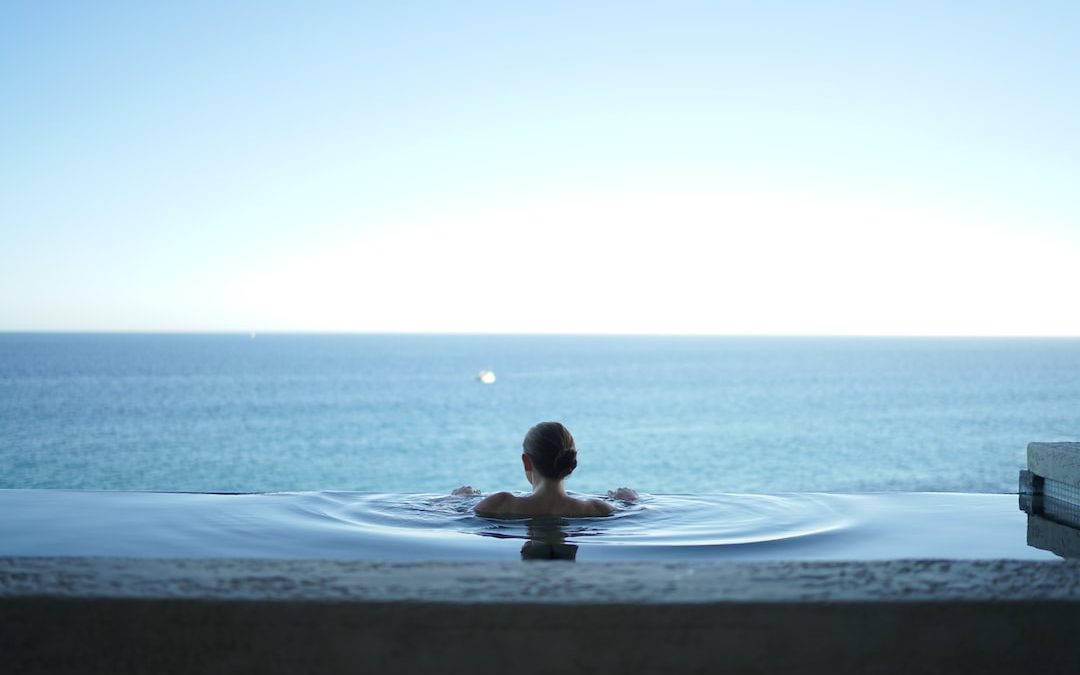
(549, 487)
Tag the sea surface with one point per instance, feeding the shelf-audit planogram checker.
(407, 414)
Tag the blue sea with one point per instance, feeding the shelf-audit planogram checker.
(406, 413)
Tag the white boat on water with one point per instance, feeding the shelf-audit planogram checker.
(486, 377)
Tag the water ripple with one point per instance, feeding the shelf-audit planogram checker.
(667, 520)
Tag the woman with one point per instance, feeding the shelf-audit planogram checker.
(549, 457)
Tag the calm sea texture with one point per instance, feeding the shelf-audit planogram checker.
(405, 413)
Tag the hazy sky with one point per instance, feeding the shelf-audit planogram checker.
(662, 167)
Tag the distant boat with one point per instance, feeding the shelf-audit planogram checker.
(252, 336)
(486, 377)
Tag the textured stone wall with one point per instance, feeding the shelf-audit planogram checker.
(1057, 461)
(60, 615)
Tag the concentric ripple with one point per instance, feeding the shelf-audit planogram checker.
(420, 528)
(662, 521)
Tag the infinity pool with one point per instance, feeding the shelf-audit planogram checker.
(415, 527)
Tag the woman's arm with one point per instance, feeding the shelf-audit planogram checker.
(601, 507)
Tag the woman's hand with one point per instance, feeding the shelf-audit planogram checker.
(624, 494)
(465, 491)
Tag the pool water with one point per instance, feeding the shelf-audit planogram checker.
(425, 527)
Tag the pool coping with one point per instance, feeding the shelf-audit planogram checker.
(108, 615)
(534, 582)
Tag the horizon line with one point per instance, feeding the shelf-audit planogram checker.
(250, 333)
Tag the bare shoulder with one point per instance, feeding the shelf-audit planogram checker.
(493, 503)
(601, 508)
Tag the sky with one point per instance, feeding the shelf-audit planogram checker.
(854, 168)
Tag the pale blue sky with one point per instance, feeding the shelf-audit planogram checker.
(667, 167)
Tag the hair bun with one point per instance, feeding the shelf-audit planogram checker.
(565, 461)
(552, 449)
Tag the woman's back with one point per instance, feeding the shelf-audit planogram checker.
(504, 504)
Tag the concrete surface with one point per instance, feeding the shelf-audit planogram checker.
(100, 615)
(1056, 461)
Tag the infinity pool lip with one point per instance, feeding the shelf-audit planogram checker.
(679, 583)
(78, 614)
(380, 527)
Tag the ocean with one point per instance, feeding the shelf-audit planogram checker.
(407, 413)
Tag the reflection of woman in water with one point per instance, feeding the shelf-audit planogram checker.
(547, 540)
(549, 457)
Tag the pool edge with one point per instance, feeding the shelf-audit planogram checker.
(124, 615)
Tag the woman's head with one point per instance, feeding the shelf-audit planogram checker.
(551, 450)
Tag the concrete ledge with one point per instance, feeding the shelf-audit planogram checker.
(1056, 461)
(540, 582)
(61, 615)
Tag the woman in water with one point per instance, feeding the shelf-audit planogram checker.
(549, 457)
